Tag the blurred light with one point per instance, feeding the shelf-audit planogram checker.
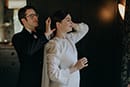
(106, 13)
(121, 10)
(15, 4)
(6, 24)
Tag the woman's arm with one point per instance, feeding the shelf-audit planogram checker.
(81, 30)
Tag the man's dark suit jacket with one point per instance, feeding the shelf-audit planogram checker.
(30, 53)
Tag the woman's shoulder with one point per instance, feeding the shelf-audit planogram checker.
(54, 45)
(55, 42)
(52, 42)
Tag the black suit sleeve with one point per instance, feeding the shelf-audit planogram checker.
(26, 47)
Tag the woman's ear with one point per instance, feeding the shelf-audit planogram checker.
(57, 24)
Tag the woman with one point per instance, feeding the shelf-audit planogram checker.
(61, 67)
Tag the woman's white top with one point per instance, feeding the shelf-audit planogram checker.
(60, 54)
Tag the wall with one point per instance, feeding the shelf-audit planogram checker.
(1, 18)
(9, 66)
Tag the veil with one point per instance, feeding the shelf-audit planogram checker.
(45, 78)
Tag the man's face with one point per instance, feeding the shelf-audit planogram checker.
(31, 19)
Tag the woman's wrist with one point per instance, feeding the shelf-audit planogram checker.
(76, 26)
(73, 69)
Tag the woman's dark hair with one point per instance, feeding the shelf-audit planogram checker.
(22, 12)
(58, 16)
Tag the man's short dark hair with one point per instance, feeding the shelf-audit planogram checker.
(22, 12)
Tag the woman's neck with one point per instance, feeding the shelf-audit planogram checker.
(60, 35)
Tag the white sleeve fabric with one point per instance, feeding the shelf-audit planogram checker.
(53, 56)
(79, 33)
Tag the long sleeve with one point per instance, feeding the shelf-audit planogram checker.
(80, 32)
(53, 55)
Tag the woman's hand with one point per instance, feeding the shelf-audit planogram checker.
(75, 26)
(81, 63)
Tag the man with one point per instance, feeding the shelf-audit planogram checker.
(29, 47)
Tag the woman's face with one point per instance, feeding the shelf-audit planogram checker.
(66, 24)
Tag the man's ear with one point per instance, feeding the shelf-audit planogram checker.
(23, 20)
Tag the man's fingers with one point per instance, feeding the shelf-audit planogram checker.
(53, 29)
